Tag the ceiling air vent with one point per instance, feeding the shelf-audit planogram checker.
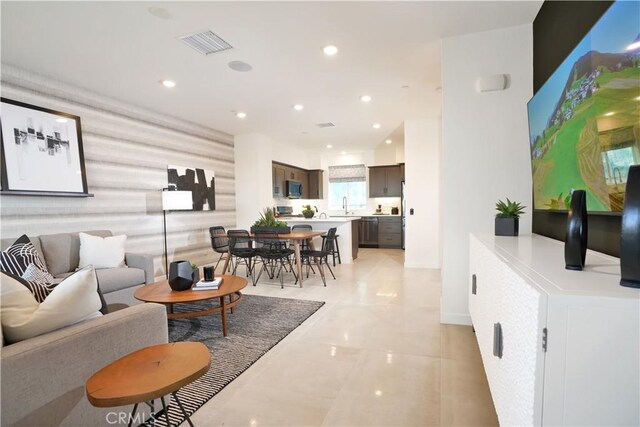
(206, 42)
(325, 125)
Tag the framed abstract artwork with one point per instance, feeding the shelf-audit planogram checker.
(41, 151)
(201, 183)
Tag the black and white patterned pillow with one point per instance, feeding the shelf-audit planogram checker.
(39, 289)
(22, 260)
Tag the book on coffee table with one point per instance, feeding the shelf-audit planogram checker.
(203, 285)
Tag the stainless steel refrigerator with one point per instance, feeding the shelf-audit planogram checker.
(403, 210)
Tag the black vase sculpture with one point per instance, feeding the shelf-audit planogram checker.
(181, 275)
(575, 241)
(630, 237)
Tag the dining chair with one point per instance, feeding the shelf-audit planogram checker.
(273, 256)
(220, 244)
(305, 243)
(320, 256)
(241, 248)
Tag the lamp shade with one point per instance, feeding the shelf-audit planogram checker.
(177, 201)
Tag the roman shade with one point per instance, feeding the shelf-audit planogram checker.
(348, 173)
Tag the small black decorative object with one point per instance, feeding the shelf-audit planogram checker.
(630, 237)
(208, 274)
(575, 241)
(181, 275)
(507, 226)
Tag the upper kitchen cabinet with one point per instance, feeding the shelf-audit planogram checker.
(315, 184)
(279, 175)
(385, 181)
(311, 180)
(303, 177)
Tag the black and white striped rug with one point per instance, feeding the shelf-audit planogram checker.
(257, 324)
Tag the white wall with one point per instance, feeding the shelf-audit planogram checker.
(422, 188)
(485, 147)
(253, 177)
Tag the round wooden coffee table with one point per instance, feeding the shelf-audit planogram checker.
(161, 293)
(148, 374)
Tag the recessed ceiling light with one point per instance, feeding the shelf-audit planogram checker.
(329, 146)
(365, 98)
(330, 50)
(298, 107)
(239, 66)
(633, 46)
(376, 125)
(241, 115)
(159, 12)
(61, 120)
(388, 141)
(168, 83)
(610, 113)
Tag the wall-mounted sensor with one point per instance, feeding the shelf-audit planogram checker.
(491, 83)
(411, 211)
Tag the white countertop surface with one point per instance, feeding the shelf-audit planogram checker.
(542, 260)
(315, 219)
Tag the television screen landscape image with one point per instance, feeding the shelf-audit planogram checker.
(584, 122)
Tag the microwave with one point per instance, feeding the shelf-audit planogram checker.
(293, 189)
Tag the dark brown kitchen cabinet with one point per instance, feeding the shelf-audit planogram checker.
(390, 232)
(278, 180)
(311, 180)
(315, 184)
(402, 171)
(385, 181)
(303, 177)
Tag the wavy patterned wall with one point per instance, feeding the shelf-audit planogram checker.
(127, 150)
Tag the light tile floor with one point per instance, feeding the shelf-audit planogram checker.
(374, 355)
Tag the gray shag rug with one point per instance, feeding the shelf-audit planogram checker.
(257, 324)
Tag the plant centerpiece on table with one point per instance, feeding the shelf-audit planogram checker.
(196, 273)
(268, 222)
(507, 217)
(307, 211)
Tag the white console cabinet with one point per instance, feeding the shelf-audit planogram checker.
(559, 347)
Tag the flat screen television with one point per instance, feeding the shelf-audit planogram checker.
(584, 122)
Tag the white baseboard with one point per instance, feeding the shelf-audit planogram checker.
(455, 319)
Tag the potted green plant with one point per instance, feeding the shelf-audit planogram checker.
(307, 211)
(196, 273)
(268, 222)
(507, 217)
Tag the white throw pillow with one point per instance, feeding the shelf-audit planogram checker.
(101, 252)
(75, 299)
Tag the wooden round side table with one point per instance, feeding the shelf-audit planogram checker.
(148, 374)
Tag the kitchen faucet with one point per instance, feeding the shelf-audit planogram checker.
(345, 204)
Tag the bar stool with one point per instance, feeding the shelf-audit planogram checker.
(335, 249)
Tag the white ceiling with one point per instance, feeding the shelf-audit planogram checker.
(121, 50)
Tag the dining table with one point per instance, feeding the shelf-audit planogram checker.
(295, 237)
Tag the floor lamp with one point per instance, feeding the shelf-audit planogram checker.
(173, 201)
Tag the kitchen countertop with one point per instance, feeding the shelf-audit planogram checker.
(329, 219)
(337, 218)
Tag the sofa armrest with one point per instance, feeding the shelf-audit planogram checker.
(43, 378)
(143, 262)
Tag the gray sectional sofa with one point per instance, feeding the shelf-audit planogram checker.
(61, 253)
(42, 379)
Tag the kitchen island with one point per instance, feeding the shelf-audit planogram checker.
(347, 230)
